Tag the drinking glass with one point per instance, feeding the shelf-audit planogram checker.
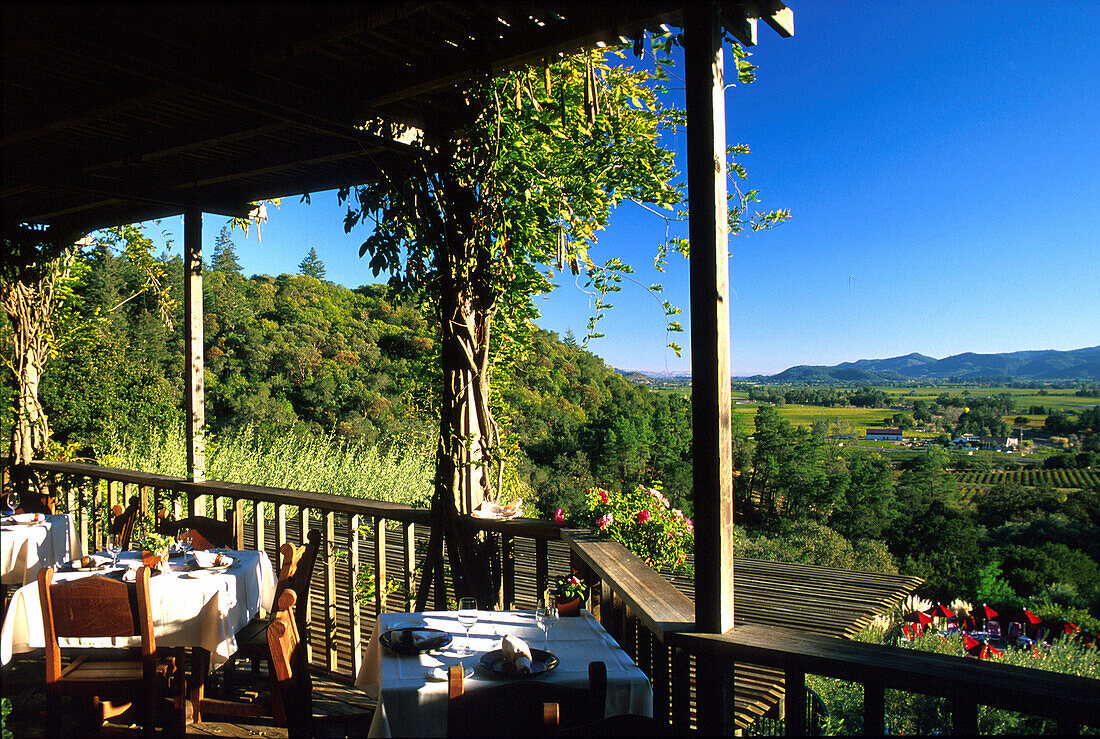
(467, 616)
(546, 615)
(185, 543)
(114, 547)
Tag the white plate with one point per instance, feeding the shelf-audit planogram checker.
(196, 574)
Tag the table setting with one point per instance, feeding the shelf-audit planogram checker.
(197, 599)
(31, 541)
(407, 660)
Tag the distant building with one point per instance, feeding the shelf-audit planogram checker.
(999, 443)
(883, 434)
(966, 441)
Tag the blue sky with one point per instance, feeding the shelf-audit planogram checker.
(941, 162)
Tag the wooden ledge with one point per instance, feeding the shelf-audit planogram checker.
(656, 601)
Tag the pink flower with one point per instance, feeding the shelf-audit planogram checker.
(643, 516)
(690, 525)
(678, 513)
(656, 494)
(559, 517)
(605, 521)
(603, 496)
(574, 580)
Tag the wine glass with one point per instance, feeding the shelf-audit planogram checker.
(467, 616)
(185, 542)
(546, 615)
(114, 547)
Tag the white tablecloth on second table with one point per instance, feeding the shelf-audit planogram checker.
(27, 548)
(204, 611)
(411, 705)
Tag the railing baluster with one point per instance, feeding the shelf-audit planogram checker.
(143, 499)
(355, 620)
(97, 531)
(408, 556)
(681, 690)
(874, 708)
(238, 521)
(542, 567)
(662, 695)
(280, 528)
(84, 497)
(381, 571)
(329, 519)
(259, 509)
(508, 571)
(303, 518)
(219, 507)
(964, 716)
(795, 700)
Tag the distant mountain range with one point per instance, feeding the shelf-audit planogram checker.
(1042, 365)
(1078, 364)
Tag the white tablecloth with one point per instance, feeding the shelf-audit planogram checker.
(25, 549)
(187, 612)
(411, 705)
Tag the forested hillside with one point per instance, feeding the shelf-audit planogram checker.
(294, 353)
(298, 362)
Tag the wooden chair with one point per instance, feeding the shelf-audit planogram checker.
(123, 520)
(295, 574)
(294, 684)
(104, 607)
(206, 533)
(524, 706)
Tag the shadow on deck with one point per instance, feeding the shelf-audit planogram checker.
(23, 682)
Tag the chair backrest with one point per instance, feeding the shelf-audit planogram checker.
(300, 579)
(521, 707)
(207, 533)
(1015, 629)
(123, 520)
(94, 607)
(994, 628)
(288, 657)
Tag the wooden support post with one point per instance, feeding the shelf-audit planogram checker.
(874, 709)
(710, 356)
(964, 716)
(662, 693)
(795, 700)
(356, 619)
(195, 396)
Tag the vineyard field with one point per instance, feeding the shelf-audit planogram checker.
(1057, 478)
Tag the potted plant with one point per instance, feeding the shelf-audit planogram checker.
(569, 592)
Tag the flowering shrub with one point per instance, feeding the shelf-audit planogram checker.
(569, 587)
(643, 521)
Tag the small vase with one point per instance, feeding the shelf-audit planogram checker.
(568, 608)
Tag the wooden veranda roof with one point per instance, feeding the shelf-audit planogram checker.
(120, 113)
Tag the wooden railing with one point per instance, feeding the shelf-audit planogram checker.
(653, 621)
(693, 674)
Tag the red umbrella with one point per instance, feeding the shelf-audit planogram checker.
(978, 649)
(919, 617)
(987, 612)
(1031, 617)
(941, 611)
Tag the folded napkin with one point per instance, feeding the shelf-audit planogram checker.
(130, 575)
(88, 562)
(211, 559)
(26, 518)
(517, 655)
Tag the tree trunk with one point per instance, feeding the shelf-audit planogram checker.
(28, 293)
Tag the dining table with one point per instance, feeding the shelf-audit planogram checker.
(412, 689)
(31, 541)
(195, 606)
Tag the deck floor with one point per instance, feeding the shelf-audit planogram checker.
(23, 683)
